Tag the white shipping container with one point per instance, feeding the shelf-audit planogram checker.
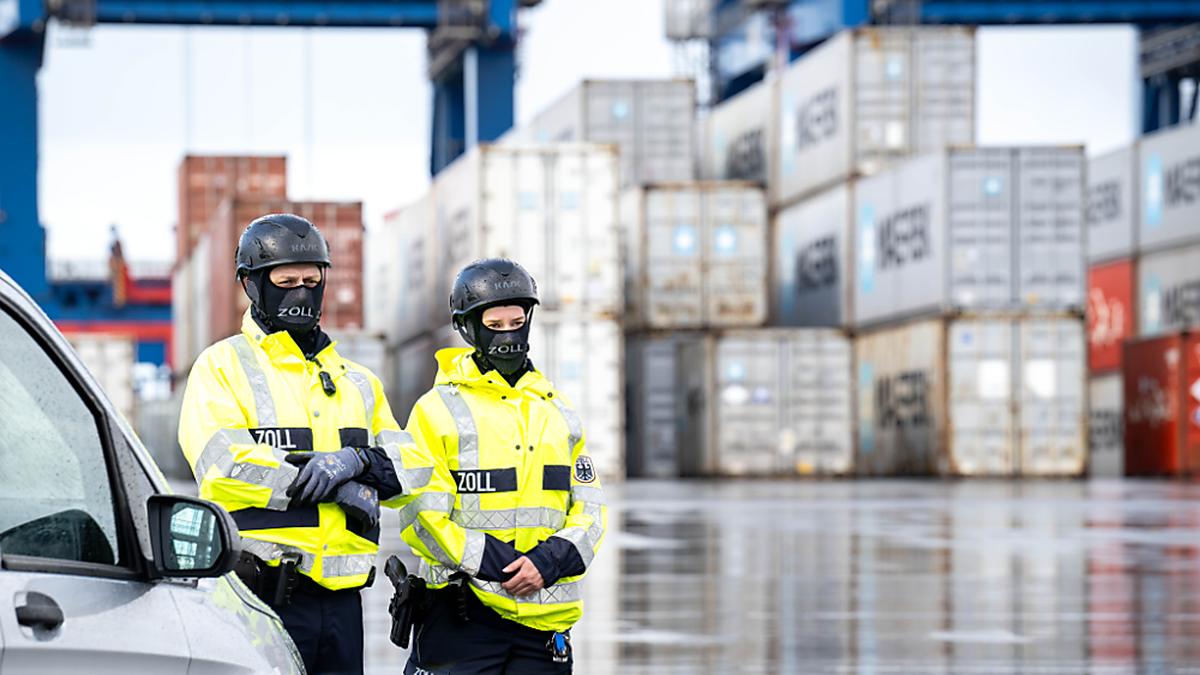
(868, 97)
(110, 358)
(972, 397)
(190, 313)
(766, 402)
(695, 255)
(1106, 436)
(981, 229)
(552, 208)
(811, 280)
(1169, 179)
(1110, 206)
(1168, 291)
(401, 273)
(650, 121)
(737, 143)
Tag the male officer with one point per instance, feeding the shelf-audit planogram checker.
(298, 444)
(513, 514)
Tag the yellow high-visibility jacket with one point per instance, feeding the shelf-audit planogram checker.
(253, 398)
(510, 468)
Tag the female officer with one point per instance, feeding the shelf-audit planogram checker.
(513, 514)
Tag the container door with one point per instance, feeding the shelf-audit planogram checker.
(748, 398)
(1050, 227)
(883, 75)
(657, 400)
(673, 273)
(695, 408)
(980, 401)
(980, 229)
(735, 282)
(1051, 408)
(944, 65)
(818, 425)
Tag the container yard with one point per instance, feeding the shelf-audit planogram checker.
(825, 337)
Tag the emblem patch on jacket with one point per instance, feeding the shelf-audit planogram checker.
(584, 471)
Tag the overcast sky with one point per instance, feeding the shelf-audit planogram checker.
(119, 106)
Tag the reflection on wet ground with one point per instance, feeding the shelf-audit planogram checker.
(885, 577)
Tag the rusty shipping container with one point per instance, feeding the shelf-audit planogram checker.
(695, 255)
(766, 402)
(1168, 298)
(339, 222)
(1106, 436)
(972, 397)
(869, 97)
(971, 229)
(205, 181)
(1162, 405)
(1110, 313)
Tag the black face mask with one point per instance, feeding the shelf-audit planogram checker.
(506, 351)
(296, 310)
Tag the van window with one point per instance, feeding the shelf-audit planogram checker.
(55, 496)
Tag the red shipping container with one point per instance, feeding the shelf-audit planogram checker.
(206, 181)
(1110, 313)
(1162, 406)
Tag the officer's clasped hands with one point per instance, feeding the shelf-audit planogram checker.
(321, 474)
(526, 579)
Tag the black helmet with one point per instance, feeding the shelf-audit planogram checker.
(280, 239)
(489, 282)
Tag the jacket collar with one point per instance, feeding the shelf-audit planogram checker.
(455, 366)
(281, 348)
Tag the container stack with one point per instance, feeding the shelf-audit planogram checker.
(956, 271)
(988, 243)
(1160, 371)
(208, 302)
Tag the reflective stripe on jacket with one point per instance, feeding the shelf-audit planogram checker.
(253, 398)
(509, 462)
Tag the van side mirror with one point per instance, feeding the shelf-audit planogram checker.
(191, 537)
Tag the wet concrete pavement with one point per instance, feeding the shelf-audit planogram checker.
(887, 577)
(877, 577)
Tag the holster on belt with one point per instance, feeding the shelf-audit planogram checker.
(274, 584)
(407, 601)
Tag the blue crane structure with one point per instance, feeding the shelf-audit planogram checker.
(1170, 40)
(472, 66)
